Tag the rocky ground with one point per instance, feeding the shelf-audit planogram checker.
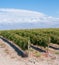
(8, 56)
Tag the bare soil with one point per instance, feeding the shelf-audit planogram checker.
(8, 56)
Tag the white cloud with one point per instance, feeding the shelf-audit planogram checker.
(11, 16)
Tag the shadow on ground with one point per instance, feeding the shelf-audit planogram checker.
(53, 47)
(38, 49)
(19, 52)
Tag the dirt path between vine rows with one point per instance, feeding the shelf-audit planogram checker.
(8, 56)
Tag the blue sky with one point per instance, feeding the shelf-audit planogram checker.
(15, 14)
(49, 7)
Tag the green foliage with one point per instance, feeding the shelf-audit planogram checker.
(40, 37)
(55, 39)
(20, 41)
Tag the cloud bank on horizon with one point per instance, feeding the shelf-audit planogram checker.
(17, 18)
